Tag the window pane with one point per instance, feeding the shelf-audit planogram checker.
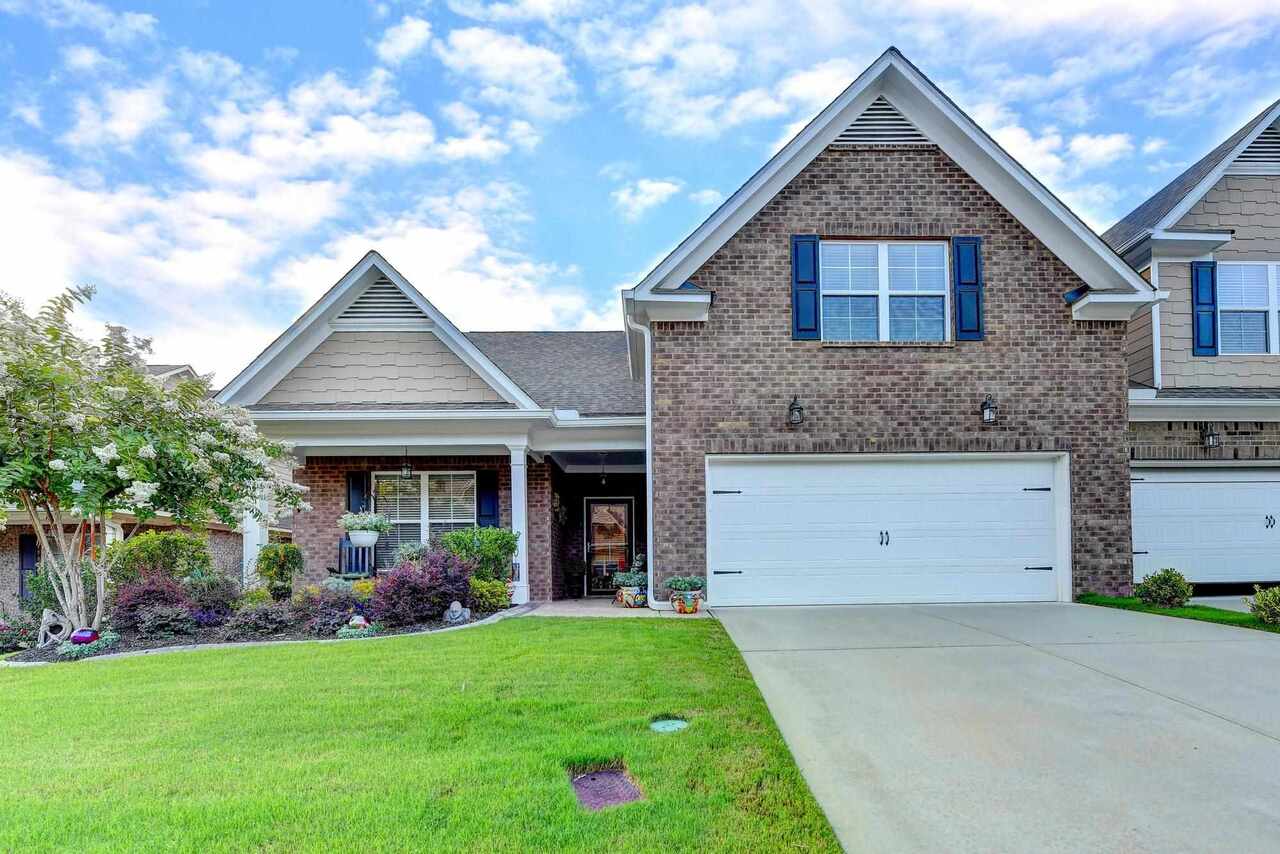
(396, 498)
(451, 498)
(916, 267)
(849, 266)
(850, 319)
(917, 319)
(834, 266)
(1243, 331)
(1242, 285)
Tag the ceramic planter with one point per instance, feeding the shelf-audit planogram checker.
(363, 539)
(630, 597)
(686, 601)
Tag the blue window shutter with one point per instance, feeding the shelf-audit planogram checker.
(806, 319)
(357, 491)
(966, 273)
(1204, 308)
(487, 515)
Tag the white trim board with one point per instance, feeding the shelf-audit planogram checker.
(316, 324)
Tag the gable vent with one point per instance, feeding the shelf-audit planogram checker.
(1262, 157)
(382, 301)
(881, 124)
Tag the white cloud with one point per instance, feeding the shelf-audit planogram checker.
(1154, 145)
(403, 40)
(82, 57)
(29, 113)
(480, 139)
(120, 118)
(635, 198)
(1094, 150)
(707, 197)
(510, 72)
(521, 10)
(120, 27)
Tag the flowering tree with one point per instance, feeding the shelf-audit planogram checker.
(86, 434)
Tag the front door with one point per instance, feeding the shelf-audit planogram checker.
(608, 541)
(28, 560)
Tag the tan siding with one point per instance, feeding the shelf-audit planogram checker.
(1250, 204)
(1138, 349)
(382, 367)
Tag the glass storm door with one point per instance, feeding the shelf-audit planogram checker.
(608, 542)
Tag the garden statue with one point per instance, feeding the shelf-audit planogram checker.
(54, 629)
(457, 615)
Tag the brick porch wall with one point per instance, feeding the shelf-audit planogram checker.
(1180, 440)
(9, 568)
(724, 386)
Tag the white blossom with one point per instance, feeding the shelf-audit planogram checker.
(77, 486)
(58, 465)
(123, 472)
(221, 456)
(106, 453)
(147, 452)
(75, 420)
(140, 492)
(204, 437)
(170, 404)
(116, 392)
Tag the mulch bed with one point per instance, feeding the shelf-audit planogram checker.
(131, 642)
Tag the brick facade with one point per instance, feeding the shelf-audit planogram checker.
(1242, 441)
(724, 386)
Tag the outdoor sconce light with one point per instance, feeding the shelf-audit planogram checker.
(1210, 437)
(795, 413)
(990, 411)
(406, 470)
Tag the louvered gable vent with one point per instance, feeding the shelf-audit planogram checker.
(1262, 157)
(881, 124)
(382, 302)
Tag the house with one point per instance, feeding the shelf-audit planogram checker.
(1204, 404)
(891, 367)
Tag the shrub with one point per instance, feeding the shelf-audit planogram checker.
(255, 621)
(630, 579)
(174, 553)
(149, 591)
(417, 592)
(214, 594)
(685, 583)
(490, 550)
(1167, 588)
(208, 619)
(322, 611)
(18, 632)
(362, 589)
(365, 522)
(336, 584)
(411, 553)
(40, 585)
(253, 596)
(350, 632)
(75, 651)
(165, 621)
(1265, 604)
(489, 596)
(277, 565)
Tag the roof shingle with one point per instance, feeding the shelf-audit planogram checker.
(586, 371)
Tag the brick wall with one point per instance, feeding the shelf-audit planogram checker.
(9, 568)
(724, 386)
(316, 531)
(1181, 440)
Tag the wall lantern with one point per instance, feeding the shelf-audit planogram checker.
(406, 470)
(1209, 437)
(795, 413)
(990, 411)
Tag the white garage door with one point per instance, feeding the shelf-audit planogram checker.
(852, 529)
(1211, 525)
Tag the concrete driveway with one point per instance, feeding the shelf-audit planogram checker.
(1025, 727)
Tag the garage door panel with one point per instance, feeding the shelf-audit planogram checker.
(848, 529)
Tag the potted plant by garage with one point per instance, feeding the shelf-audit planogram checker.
(364, 528)
(686, 592)
(631, 589)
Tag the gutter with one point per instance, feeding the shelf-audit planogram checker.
(646, 335)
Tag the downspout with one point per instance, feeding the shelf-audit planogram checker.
(1157, 364)
(648, 444)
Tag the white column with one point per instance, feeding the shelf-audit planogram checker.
(520, 522)
(254, 536)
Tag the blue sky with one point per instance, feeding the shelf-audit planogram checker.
(214, 167)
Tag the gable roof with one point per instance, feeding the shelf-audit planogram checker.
(586, 371)
(893, 79)
(371, 273)
(1166, 207)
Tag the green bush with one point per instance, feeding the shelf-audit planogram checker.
(277, 564)
(253, 596)
(489, 596)
(685, 583)
(176, 554)
(1265, 604)
(630, 579)
(1167, 588)
(18, 632)
(489, 550)
(212, 592)
(411, 553)
(40, 585)
(259, 621)
(352, 632)
(75, 651)
(159, 622)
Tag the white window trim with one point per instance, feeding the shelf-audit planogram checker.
(424, 512)
(1272, 308)
(882, 292)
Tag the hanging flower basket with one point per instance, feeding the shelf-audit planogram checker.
(363, 529)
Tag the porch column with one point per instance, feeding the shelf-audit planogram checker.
(253, 537)
(520, 522)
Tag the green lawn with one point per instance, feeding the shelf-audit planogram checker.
(458, 741)
(1190, 612)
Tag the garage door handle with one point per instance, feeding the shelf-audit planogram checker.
(1142, 553)
(1038, 568)
(726, 572)
(726, 492)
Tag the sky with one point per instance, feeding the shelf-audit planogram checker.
(212, 168)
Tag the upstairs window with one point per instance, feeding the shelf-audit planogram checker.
(1248, 308)
(892, 291)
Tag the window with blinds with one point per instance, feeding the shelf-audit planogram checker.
(1248, 308)
(883, 291)
(422, 508)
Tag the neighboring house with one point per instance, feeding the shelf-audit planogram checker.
(1204, 407)
(890, 368)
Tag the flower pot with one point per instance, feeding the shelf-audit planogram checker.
(686, 601)
(630, 597)
(363, 539)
